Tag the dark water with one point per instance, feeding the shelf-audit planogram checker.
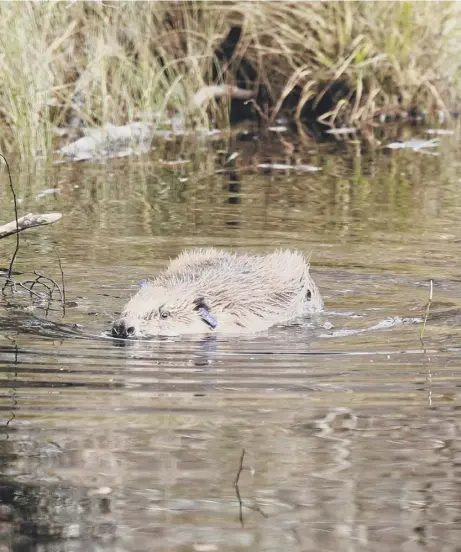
(349, 423)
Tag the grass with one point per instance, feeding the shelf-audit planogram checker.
(126, 59)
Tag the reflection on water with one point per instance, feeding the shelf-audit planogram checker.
(349, 422)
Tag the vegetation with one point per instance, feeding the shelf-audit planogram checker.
(118, 61)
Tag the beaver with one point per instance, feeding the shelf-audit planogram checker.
(210, 290)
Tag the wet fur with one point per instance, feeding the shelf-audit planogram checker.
(244, 293)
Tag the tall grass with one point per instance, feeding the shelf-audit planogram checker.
(126, 59)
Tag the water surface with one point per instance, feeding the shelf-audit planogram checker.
(349, 422)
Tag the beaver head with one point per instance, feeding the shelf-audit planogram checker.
(158, 311)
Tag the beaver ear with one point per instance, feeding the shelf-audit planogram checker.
(200, 303)
(204, 310)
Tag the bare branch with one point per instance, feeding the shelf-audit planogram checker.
(15, 204)
(207, 93)
(28, 221)
(47, 293)
(18, 225)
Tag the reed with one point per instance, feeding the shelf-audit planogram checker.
(127, 60)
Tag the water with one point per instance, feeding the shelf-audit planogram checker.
(348, 423)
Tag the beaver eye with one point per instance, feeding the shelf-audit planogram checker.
(164, 314)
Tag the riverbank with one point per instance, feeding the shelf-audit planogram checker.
(86, 64)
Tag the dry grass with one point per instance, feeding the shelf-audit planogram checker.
(128, 58)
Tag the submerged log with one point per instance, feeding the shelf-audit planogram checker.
(28, 221)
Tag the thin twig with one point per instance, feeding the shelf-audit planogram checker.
(239, 471)
(53, 281)
(427, 309)
(50, 285)
(37, 281)
(30, 290)
(63, 302)
(237, 490)
(239, 498)
(15, 203)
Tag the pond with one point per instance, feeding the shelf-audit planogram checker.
(342, 432)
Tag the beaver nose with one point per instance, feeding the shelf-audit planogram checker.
(124, 327)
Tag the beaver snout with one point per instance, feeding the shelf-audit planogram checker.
(124, 328)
